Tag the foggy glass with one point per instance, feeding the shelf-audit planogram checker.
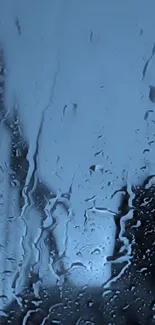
(77, 132)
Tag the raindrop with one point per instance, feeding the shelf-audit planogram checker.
(96, 251)
(152, 94)
(15, 183)
(56, 321)
(90, 265)
(147, 114)
(90, 303)
(92, 168)
(79, 254)
(146, 150)
(99, 153)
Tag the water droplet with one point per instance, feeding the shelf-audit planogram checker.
(96, 251)
(152, 94)
(79, 254)
(90, 303)
(90, 265)
(56, 321)
(81, 321)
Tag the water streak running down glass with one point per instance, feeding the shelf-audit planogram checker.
(77, 167)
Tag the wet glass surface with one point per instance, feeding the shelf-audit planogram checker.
(77, 187)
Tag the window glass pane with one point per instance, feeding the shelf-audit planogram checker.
(77, 194)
